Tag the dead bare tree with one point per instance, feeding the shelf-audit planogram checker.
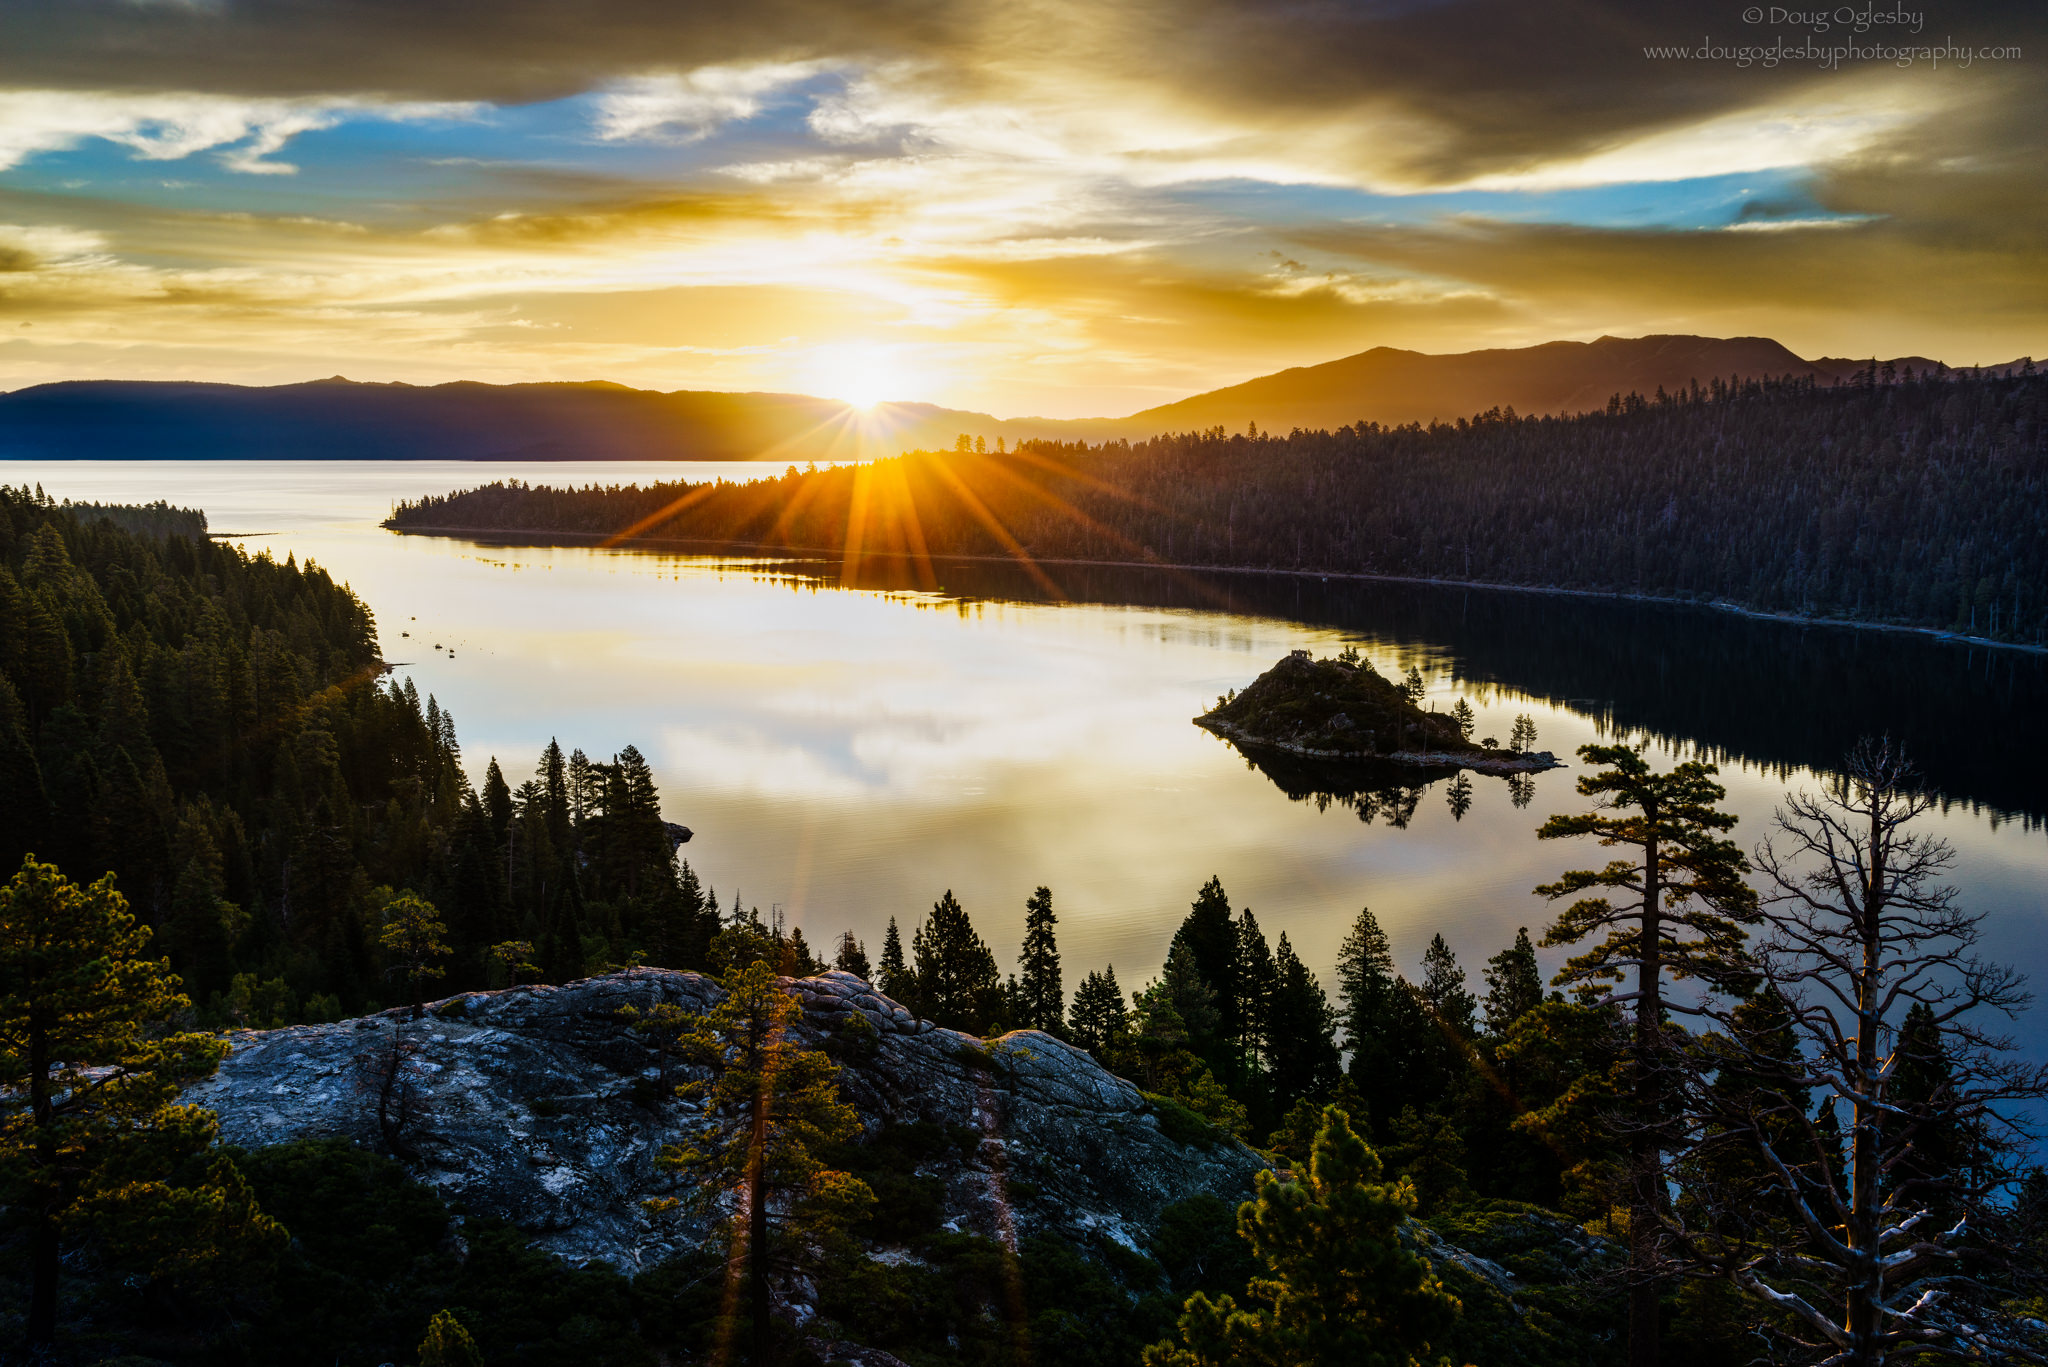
(1878, 1009)
(390, 1078)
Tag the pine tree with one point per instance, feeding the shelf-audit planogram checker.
(1257, 978)
(1339, 1290)
(1685, 907)
(1193, 1000)
(1210, 933)
(1098, 1019)
(1443, 990)
(1514, 985)
(771, 1110)
(851, 956)
(412, 937)
(1302, 1033)
(957, 982)
(797, 959)
(1462, 714)
(893, 978)
(1041, 997)
(497, 800)
(88, 1147)
(1937, 1153)
(448, 1344)
(1384, 1027)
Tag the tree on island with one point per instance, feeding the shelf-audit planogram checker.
(771, 1107)
(1681, 911)
(1339, 1288)
(90, 1045)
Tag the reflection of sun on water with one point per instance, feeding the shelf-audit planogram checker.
(861, 374)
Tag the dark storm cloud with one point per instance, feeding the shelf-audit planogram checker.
(1484, 86)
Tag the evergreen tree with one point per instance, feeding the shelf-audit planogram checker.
(1098, 1019)
(1514, 985)
(1371, 995)
(1443, 991)
(1339, 1290)
(851, 956)
(412, 937)
(1462, 714)
(497, 800)
(797, 959)
(1193, 1001)
(554, 782)
(893, 978)
(448, 1344)
(1684, 908)
(957, 982)
(1210, 933)
(1041, 997)
(1302, 1033)
(1937, 1156)
(83, 1148)
(1257, 978)
(771, 1111)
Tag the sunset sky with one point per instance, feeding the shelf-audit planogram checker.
(1022, 206)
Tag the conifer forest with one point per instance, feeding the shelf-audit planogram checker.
(225, 817)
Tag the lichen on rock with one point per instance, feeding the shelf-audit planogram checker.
(538, 1105)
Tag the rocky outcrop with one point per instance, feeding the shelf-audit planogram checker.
(1343, 710)
(538, 1105)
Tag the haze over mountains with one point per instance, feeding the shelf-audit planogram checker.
(341, 419)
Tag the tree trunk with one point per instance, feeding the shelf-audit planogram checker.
(1866, 1272)
(44, 1264)
(757, 1230)
(1646, 1162)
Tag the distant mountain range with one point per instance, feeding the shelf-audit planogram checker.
(342, 419)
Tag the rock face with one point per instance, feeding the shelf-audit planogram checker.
(538, 1106)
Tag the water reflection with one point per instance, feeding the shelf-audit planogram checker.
(852, 746)
(1781, 696)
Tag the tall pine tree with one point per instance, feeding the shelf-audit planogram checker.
(1676, 906)
(957, 983)
(1041, 998)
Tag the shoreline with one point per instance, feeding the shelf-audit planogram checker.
(1499, 764)
(549, 537)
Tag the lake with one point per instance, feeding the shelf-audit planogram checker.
(848, 751)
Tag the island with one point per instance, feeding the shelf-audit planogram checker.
(1344, 711)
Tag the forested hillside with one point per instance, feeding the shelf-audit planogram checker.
(1903, 500)
(213, 728)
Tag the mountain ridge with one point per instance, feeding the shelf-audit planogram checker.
(562, 420)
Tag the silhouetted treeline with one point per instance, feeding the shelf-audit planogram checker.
(211, 727)
(1921, 501)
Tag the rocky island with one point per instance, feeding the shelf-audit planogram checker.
(1344, 711)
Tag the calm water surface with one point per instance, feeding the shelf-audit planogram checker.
(848, 752)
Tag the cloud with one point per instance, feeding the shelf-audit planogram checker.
(1038, 203)
(692, 105)
(171, 127)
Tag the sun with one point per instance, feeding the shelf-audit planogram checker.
(859, 373)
